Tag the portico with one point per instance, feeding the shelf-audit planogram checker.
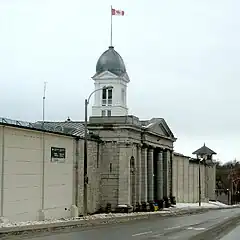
(143, 160)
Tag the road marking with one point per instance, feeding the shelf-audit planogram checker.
(226, 217)
(143, 233)
(172, 228)
(196, 229)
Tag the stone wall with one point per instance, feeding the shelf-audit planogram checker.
(186, 180)
(95, 162)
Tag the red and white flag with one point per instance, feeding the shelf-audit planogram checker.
(116, 12)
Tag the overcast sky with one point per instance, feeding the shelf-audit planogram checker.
(182, 58)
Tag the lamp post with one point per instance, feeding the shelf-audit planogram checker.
(85, 163)
(199, 181)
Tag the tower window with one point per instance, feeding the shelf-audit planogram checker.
(109, 96)
(123, 95)
(106, 97)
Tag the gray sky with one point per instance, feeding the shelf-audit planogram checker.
(182, 58)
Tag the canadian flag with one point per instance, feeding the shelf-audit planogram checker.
(117, 12)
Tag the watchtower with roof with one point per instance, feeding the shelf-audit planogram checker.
(204, 152)
(110, 71)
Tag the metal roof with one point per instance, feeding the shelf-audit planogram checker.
(74, 128)
(204, 150)
(111, 61)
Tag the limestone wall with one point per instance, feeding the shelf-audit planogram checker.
(186, 179)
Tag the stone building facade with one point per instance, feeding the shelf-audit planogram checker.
(138, 155)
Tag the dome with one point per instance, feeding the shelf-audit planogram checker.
(111, 61)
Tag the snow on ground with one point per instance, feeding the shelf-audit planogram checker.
(178, 207)
(203, 205)
(91, 217)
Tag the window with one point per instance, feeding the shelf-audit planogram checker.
(109, 113)
(104, 97)
(107, 97)
(123, 95)
(103, 113)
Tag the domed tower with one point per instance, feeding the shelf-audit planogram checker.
(110, 71)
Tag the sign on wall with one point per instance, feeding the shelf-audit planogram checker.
(58, 154)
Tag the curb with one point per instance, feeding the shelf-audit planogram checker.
(50, 227)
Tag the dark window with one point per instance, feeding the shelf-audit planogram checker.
(104, 94)
(109, 93)
(109, 113)
(110, 167)
(103, 113)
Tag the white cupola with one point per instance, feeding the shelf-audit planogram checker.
(110, 71)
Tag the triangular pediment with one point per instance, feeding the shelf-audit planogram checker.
(105, 75)
(159, 126)
(109, 75)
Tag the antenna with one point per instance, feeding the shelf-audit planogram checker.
(43, 107)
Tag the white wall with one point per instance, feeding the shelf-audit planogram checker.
(118, 108)
(23, 175)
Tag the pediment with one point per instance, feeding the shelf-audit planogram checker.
(105, 75)
(160, 127)
(109, 75)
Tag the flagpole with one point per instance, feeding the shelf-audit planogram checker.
(111, 27)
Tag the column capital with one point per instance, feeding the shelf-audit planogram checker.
(140, 145)
(150, 150)
(144, 145)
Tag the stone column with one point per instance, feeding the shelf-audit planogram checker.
(160, 175)
(166, 159)
(144, 175)
(139, 174)
(150, 177)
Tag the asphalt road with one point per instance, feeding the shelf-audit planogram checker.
(233, 235)
(180, 228)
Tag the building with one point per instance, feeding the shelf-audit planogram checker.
(130, 162)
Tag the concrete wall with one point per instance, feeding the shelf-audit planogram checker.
(186, 179)
(32, 186)
(26, 187)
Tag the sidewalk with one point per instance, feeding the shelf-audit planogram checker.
(100, 219)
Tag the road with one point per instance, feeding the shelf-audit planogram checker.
(233, 235)
(180, 228)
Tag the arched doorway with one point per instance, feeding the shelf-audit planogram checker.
(132, 182)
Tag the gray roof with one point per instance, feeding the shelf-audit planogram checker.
(111, 61)
(204, 150)
(74, 128)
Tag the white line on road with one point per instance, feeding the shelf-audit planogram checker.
(196, 229)
(139, 234)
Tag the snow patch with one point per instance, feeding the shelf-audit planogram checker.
(177, 208)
